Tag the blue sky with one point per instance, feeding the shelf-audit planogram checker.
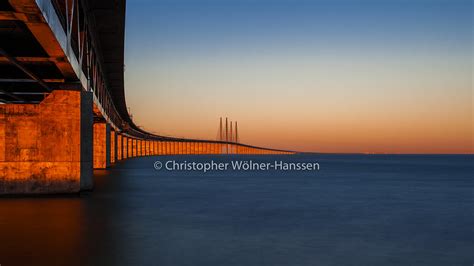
(247, 58)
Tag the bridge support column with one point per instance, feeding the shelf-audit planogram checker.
(134, 149)
(138, 147)
(101, 145)
(47, 147)
(119, 147)
(124, 147)
(113, 146)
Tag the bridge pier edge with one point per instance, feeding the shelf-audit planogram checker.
(113, 146)
(138, 148)
(134, 147)
(129, 148)
(119, 146)
(102, 145)
(124, 147)
(86, 141)
(141, 147)
(46, 148)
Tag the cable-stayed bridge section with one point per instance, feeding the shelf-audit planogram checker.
(63, 110)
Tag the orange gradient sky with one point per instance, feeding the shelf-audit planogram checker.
(403, 86)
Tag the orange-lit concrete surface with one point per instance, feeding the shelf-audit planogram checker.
(124, 147)
(147, 147)
(51, 145)
(119, 147)
(130, 147)
(113, 147)
(47, 147)
(139, 147)
(102, 145)
(135, 147)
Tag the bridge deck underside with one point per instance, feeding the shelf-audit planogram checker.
(34, 62)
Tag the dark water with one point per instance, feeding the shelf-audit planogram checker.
(357, 210)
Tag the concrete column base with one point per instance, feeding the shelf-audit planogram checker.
(47, 148)
(113, 147)
(101, 145)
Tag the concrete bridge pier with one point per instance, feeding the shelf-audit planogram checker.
(113, 146)
(102, 144)
(141, 148)
(138, 147)
(147, 147)
(118, 147)
(134, 147)
(124, 147)
(47, 147)
(130, 147)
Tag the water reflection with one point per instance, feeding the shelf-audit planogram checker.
(359, 210)
(60, 230)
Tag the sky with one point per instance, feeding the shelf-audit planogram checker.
(370, 76)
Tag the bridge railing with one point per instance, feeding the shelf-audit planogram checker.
(74, 29)
(81, 47)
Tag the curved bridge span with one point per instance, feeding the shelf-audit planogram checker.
(63, 108)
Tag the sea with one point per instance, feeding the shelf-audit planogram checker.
(354, 209)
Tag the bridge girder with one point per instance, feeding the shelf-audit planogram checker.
(69, 45)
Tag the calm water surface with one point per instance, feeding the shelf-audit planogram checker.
(357, 210)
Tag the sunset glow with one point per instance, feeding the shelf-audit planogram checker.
(321, 76)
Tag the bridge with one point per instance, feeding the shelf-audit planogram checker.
(63, 111)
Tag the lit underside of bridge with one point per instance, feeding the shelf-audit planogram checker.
(63, 110)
